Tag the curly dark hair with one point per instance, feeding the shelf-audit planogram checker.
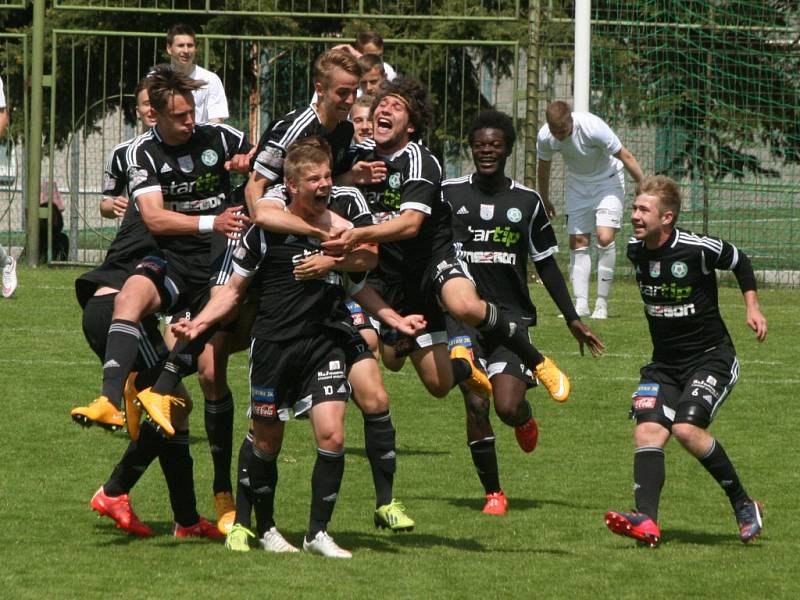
(163, 82)
(494, 119)
(416, 97)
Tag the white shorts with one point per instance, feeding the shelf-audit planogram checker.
(593, 205)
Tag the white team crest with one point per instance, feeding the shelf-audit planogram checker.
(679, 269)
(655, 268)
(514, 215)
(394, 181)
(209, 157)
(186, 163)
(487, 211)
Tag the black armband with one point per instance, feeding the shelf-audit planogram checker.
(553, 280)
(744, 273)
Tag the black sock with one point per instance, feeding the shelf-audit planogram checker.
(244, 498)
(461, 370)
(648, 479)
(219, 429)
(121, 350)
(263, 472)
(134, 463)
(496, 326)
(182, 361)
(717, 463)
(176, 462)
(379, 442)
(325, 481)
(484, 457)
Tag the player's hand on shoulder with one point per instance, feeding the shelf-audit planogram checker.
(231, 222)
(412, 325)
(585, 336)
(758, 323)
(368, 172)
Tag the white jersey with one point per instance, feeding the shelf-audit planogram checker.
(209, 101)
(587, 152)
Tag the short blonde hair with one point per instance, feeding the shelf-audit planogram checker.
(305, 152)
(666, 190)
(335, 59)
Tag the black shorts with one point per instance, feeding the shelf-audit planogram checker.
(97, 315)
(493, 358)
(361, 320)
(296, 375)
(663, 387)
(182, 281)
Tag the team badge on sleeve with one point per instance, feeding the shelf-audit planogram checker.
(136, 176)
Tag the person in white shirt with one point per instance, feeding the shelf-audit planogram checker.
(210, 103)
(8, 263)
(595, 193)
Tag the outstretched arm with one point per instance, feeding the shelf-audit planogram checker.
(631, 165)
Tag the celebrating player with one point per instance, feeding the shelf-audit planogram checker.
(694, 365)
(595, 194)
(497, 223)
(418, 267)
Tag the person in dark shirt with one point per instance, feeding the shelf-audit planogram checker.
(302, 348)
(178, 178)
(497, 224)
(694, 365)
(418, 270)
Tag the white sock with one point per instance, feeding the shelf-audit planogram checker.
(581, 262)
(606, 260)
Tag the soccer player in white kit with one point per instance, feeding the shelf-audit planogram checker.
(595, 193)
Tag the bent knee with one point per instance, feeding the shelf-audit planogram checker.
(650, 434)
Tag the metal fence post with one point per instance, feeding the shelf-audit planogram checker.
(532, 93)
(35, 141)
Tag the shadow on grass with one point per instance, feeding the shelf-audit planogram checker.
(705, 538)
(359, 451)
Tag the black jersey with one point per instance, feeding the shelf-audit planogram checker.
(679, 288)
(300, 123)
(413, 182)
(133, 240)
(191, 177)
(494, 233)
(289, 308)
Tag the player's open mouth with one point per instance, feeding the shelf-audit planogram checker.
(383, 126)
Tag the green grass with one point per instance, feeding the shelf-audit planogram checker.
(553, 542)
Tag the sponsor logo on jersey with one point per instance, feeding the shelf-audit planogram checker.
(647, 389)
(669, 311)
(459, 340)
(462, 211)
(209, 157)
(489, 257)
(185, 163)
(165, 168)
(263, 401)
(655, 268)
(673, 291)
(194, 206)
(502, 235)
(395, 180)
(679, 269)
(514, 215)
(487, 212)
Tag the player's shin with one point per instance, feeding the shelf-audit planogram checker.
(718, 464)
(263, 474)
(496, 326)
(121, 350)
(244, 495)
(138, 456)
(325, 482)
(648, 479)
(219, 429)
(379, 442)
(178, 467)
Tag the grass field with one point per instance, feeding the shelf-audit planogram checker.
(552, 543)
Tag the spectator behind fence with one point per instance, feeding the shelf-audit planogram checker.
(7, 262)
(60, 239)
(210, 103)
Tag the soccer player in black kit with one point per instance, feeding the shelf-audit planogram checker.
(301, 351)
(694, 364)
(178, 180)
(418, 267)
(497, 223)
